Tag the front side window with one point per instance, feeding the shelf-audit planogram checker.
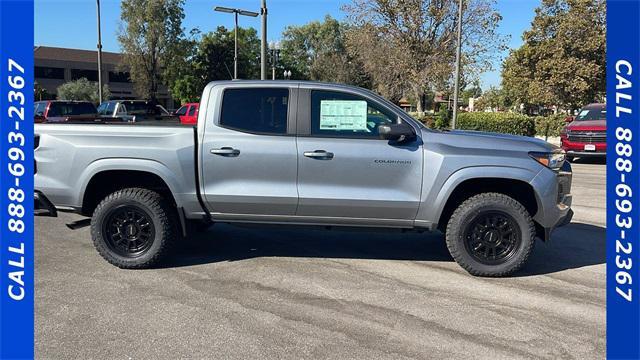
(255, 110)
(192, 110)
(345, 115)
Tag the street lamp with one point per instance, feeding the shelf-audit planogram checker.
(287, 74)
(99, 53)
(235, 12)
(275, 55)
(456, 85)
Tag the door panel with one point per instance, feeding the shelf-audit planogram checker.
(364, 178)
(259, 179)
(244, 172)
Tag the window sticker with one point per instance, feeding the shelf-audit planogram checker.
(343, 115)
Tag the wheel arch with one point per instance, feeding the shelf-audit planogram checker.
(513, 182)
(109, 175)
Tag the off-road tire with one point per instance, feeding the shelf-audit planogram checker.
(464, 215)
(161, 214)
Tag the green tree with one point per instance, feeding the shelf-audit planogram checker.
(317, 51)
(82, 89)
(152, 40)
(211, 58)
(494, 99)
(563, 58)
(410, 45)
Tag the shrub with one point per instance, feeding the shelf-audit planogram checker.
(549, 125)
(83, 90)
(499, 122)
(443, 118)
(427, 119)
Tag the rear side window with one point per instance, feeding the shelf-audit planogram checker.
(255, 110)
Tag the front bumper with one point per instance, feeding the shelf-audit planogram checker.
(585, 153)
(554, 200)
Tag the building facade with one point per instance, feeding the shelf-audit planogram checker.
(55, 66)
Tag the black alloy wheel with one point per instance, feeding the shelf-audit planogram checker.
(128, 231)
(492, 237)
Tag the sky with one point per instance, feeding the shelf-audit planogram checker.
(72, 23)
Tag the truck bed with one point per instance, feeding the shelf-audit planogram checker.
(68, 155)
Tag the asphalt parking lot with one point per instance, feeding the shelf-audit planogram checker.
(239, 293)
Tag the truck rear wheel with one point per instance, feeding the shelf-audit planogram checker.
(490, 234)
(133, 228)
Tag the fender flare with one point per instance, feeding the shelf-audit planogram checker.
(474, 172)
(128, 164)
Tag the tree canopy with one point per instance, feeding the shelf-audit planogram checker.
(410, 45)
(83, 90)
(212, 59)
(317, 51)
(563, 58)
(152, 41)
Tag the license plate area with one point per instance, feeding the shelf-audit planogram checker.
(589, 147)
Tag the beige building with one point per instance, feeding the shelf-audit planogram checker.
(55, 66)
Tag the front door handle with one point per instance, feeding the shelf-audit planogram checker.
(226, 151)
(319, 154)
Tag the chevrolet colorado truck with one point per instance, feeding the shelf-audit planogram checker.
(302, 153)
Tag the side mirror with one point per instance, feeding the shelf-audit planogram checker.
(569, 119)
(38, 119)
(400, 132)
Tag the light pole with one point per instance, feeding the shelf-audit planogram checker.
(287, 74)
(457, 79)
(275, 55)
(99, 53)
(235, 35)
(263, 42)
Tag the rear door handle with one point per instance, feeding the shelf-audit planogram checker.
(319, 154)
(226, 151)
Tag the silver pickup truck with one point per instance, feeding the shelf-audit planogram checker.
(303, 153)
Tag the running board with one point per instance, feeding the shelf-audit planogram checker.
(78, 224)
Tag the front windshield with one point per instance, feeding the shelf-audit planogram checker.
(592, 114)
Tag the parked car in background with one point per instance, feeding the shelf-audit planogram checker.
(64, 111)
(135, 111)
(188, 113)
(585, 135)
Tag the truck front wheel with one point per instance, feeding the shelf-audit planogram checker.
(133, 228)
(490, 234)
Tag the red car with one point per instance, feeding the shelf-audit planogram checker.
(585, 135)
(188, 113)
(64, 111)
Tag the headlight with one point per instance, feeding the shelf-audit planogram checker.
(552, 160)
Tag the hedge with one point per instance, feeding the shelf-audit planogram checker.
(547, 126)
(499, 122)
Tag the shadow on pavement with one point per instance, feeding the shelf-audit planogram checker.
(573, 246)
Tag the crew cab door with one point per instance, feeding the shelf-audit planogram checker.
(248, 151)
(345, 170)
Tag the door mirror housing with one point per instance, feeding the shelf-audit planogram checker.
(568, 119)
(400, 132)
(38, 119)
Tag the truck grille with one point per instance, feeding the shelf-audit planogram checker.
(589, 137)
(564, 185)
